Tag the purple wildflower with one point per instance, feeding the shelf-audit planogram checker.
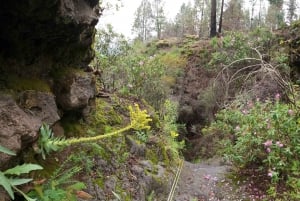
(268, 143)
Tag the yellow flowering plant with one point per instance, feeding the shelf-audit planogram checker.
(139, 120)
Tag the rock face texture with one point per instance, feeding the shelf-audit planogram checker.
(60, 30)
(40, 105)
(17, 129)
(74, 90)
(39, 39)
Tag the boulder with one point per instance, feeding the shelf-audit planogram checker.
(74, 90)
(40, 105)
(17, 129)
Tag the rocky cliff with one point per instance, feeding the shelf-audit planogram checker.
(43, 44)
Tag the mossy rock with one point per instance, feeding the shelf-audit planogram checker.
(162, 44)
(105, 115)
(59, 73)
(18, 84)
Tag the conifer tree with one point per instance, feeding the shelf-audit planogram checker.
(213, 18)
(143, 22)
(159, 16)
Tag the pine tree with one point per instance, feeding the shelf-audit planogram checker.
(292, 6)
(185, 20)
(159, 16)
(275, 16)
(213, 18)
(143, 22)
(202, 8)
(221, 17)
(234, 17)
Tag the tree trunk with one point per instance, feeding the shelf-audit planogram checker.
(221, 17)
(213, 18)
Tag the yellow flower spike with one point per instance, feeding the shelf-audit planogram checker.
(174, 134)
(139, 119)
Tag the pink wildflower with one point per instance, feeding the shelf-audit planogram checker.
(291, 112)
(207, 177)
(245, 112)
(277, 97)
(270, 174)
(268, 150)
(268, 143)
(279, 144)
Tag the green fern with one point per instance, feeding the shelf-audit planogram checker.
(8, 179)
(61, 186)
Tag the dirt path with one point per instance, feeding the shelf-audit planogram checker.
(207, 182)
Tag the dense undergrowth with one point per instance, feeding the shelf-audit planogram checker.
(259, 120)
(107, 143)
(256, 129)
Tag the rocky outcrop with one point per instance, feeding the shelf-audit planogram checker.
(17, 129)
(20, 123)
(39, 39)
(74, 90)
(57, 31)
(40, 105)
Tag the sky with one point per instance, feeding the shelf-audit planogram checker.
(123, 19)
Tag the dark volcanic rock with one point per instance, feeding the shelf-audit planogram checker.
(40, 105)
(60, 30)
(38, 40)
(17, 129)
(74, 90)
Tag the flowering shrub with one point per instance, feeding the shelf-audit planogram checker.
(265, 136)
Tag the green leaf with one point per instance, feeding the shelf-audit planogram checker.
(6, 185)
(18, 181)
(23, 194)
(77, 186)
(6, 151)
(21, 169)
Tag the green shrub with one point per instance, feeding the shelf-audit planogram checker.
(170, 128)
(265, 136)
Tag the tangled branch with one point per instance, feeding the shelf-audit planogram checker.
(236, 81)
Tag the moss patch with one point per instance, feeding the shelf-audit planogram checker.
(19, 84)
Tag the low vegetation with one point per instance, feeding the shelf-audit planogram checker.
(256, 127)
